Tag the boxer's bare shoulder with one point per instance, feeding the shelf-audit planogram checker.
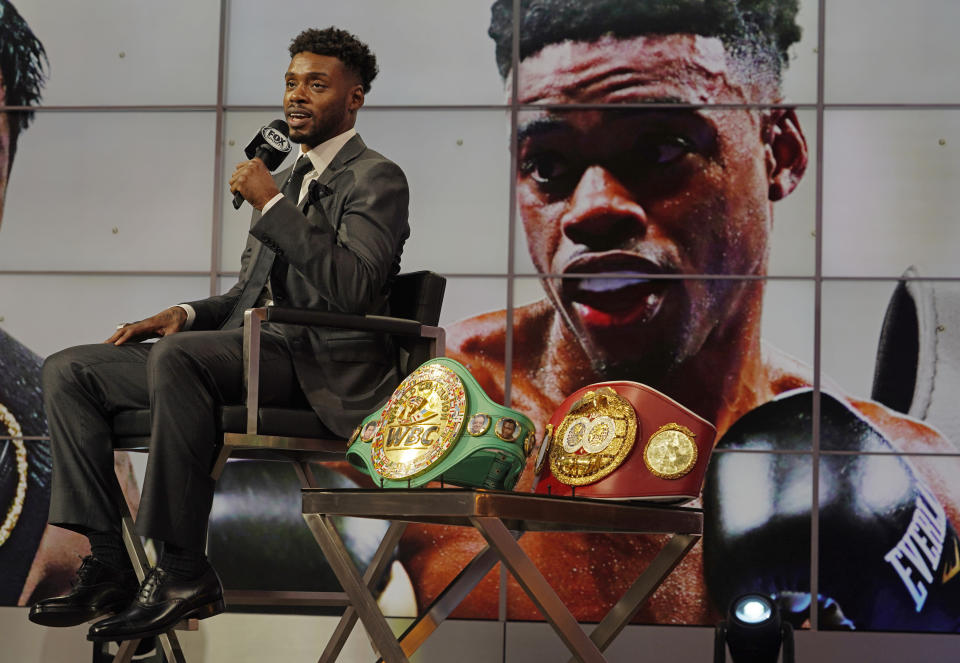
(479, 343)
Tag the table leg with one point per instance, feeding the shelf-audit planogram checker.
(339, 559)
(375, 570)
(445, 603)
(126, 651)
(651, 578)
(537, 588)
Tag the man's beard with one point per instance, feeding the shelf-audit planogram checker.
(327, 128)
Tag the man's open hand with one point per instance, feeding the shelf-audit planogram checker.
(253, 181)
(163, 323)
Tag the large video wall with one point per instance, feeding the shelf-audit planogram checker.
(117, 206)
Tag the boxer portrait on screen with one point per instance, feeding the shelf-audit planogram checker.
(626, 210)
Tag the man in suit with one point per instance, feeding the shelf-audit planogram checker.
(326, 235)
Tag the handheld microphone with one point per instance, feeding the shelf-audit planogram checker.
(271, 145)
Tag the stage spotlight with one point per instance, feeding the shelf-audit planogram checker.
(754, 632)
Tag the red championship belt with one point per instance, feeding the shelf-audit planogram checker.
(624, 441)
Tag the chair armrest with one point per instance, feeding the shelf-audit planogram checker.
(373, 323)
(253, 319)
(310, 318)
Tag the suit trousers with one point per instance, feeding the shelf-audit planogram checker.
(183, 379)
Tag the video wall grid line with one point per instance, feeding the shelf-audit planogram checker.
(817, 314)
(215, 231)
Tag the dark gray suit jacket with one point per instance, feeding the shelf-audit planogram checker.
(343, 251)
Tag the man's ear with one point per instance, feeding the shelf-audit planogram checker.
(785, 151)
(355, 101)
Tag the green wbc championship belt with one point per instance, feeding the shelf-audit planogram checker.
(439, 425)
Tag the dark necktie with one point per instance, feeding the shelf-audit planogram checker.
(291, 190)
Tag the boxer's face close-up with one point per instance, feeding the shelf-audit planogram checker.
(656, 191)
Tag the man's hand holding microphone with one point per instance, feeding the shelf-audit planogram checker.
(251, 181)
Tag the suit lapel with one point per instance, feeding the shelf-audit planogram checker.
(322, 208)
(350, 151)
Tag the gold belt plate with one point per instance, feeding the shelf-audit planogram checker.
(671, 451)
(594, 438)
(420, 422)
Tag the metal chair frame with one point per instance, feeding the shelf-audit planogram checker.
(255, 445)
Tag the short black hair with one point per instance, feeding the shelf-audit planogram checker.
(23, 68)
(759, 31)
(353, 53)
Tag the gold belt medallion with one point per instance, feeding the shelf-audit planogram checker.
(420, 422)
(671, 452)
(594, 438)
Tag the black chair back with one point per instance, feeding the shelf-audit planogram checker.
(416, 296)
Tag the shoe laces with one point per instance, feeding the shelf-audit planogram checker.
(86, 570)
(154, 578)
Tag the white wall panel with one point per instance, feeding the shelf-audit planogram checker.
(128, 52)
(851, 317)
(891, 51)
(788, 323)
(890, 194)
(80, 175)
(49, 313)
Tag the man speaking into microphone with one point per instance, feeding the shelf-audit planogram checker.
(326, 234)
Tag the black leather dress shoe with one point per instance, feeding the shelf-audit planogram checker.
(99, 589)
(163, 601)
